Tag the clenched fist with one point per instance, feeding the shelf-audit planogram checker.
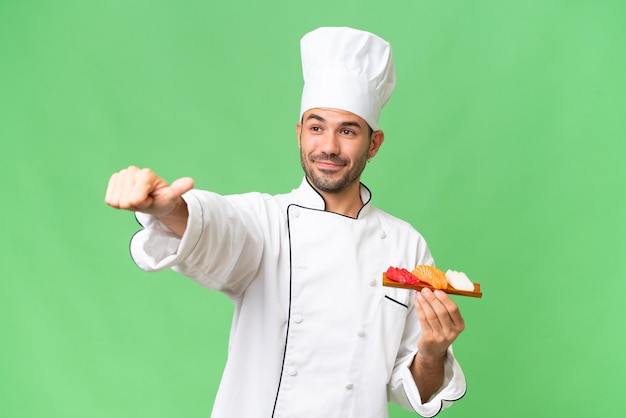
(141, 190)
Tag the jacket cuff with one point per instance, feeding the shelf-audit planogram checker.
(156, 247)
(453, 388)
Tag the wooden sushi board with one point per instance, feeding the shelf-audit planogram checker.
(476, 293)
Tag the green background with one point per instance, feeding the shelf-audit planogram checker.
(504, 147)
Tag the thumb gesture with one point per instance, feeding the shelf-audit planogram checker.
(141, 190)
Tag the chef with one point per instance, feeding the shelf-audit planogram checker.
(314, 334)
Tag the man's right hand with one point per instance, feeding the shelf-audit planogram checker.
(141, 190)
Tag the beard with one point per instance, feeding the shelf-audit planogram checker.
(326, 181)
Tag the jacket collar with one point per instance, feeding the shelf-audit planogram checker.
(308, 197)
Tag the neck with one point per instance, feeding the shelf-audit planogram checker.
(346, 202)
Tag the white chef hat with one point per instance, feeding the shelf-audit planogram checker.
(347, 69)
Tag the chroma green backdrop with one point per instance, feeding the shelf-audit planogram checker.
(504, 147)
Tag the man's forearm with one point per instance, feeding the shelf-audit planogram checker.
(428, 374)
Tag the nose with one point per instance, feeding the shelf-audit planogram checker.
(329, 143)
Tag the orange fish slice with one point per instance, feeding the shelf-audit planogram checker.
(431, 275)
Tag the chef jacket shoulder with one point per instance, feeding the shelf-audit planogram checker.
(394, 225)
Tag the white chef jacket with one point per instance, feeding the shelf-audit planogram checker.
(314, 333)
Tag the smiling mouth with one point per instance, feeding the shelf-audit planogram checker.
(328, 165)
(328, 162)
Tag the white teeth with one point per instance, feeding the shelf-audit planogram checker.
(459, 280)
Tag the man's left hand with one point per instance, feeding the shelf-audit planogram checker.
(441, 323)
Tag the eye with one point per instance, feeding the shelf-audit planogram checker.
(347, 132)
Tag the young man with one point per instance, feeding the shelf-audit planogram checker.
(314, 333)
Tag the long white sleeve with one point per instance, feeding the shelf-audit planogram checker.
(220, 249)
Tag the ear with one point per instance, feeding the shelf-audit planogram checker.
(298, 132)
(378, 138)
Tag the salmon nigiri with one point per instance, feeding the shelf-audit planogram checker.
(431, 275)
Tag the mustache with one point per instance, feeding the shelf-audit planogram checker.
(333, 158)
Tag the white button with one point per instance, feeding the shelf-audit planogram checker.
(292, 371)
(297, 319)
(373, 282)
(349, 386)
(383, 234)
(361, 333)
(295, 212)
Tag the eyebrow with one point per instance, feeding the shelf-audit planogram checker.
(345, 123)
